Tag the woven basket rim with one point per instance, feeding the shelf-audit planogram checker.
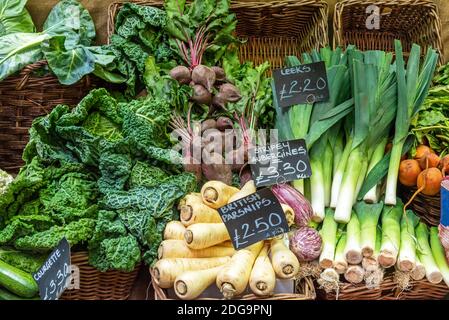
(433, 24)
(161, 294)
(319, 5)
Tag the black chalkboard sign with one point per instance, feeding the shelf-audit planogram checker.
(306, 83)
(280, 163)
(53, 277)
(254, 218)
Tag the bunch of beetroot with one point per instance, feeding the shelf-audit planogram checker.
(210, 86)
(205, 149)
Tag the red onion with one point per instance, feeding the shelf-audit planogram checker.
(288, 195)
(306, 244)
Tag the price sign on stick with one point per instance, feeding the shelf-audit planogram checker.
(280, 163)
(302, 84)
(254, 218)
(53, 277)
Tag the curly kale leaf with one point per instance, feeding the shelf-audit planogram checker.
(28, 262)
(145, 175)
(76, 232)
(21, 226)
(146, 210)
(111, 247)
(146, 121)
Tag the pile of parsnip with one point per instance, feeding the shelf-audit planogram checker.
(196, 251)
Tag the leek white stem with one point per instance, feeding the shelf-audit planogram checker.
(329, 236)
(393, 172)
(340, 263)
(419, 272)
(327, 164)
(424, 253)
(349, 187)
(353, 251)
(360, 180)
(372, 195)
(299, 185)
(339, 174)
(317, 190)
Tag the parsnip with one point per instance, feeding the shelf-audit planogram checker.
(233, 278)
(263, 279)
(193, 210)
(216, 194)
(166, 270)
(179, 249)
(248, 189)
(174, 230)
(192, 195)
(191, 284)
(285, 263)
(205, 235)
(289, 214)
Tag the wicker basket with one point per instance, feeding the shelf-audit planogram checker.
(389, 290)
(426, 207)
(411, 21)
(23, 98)
(305, 291)
(96, 285)
(273, 29)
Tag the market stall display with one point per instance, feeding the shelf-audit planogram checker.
(162, 169)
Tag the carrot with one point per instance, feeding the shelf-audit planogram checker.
(193, 210)
(174, 230)
(263, 279)
(285, 263)
(191, 284)
(179, 249)
(216, 194)
(204, 235)
(409, 171)
(429, 183)
(430, 160)
(289, 214)
(248, 189)
(166, 270)
(233, 278)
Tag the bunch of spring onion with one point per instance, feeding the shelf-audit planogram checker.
(380, 237)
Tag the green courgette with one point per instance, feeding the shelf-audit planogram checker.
(17, 281)
(6, 295)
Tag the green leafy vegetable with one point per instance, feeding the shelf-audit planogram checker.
(14, 17)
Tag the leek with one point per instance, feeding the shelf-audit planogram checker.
(327, 163)
(374, 88)
(329, 238)
(354, 274)
(373, 195)
(368, 215)
(439, 255)
(391, 235)
(353, 251)
(433, 273)
(340, 263)
(419, 272)
(407, 251)
(413, 87)
(371, 264)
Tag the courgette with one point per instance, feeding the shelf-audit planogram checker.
(17, 281)
(6, 295)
